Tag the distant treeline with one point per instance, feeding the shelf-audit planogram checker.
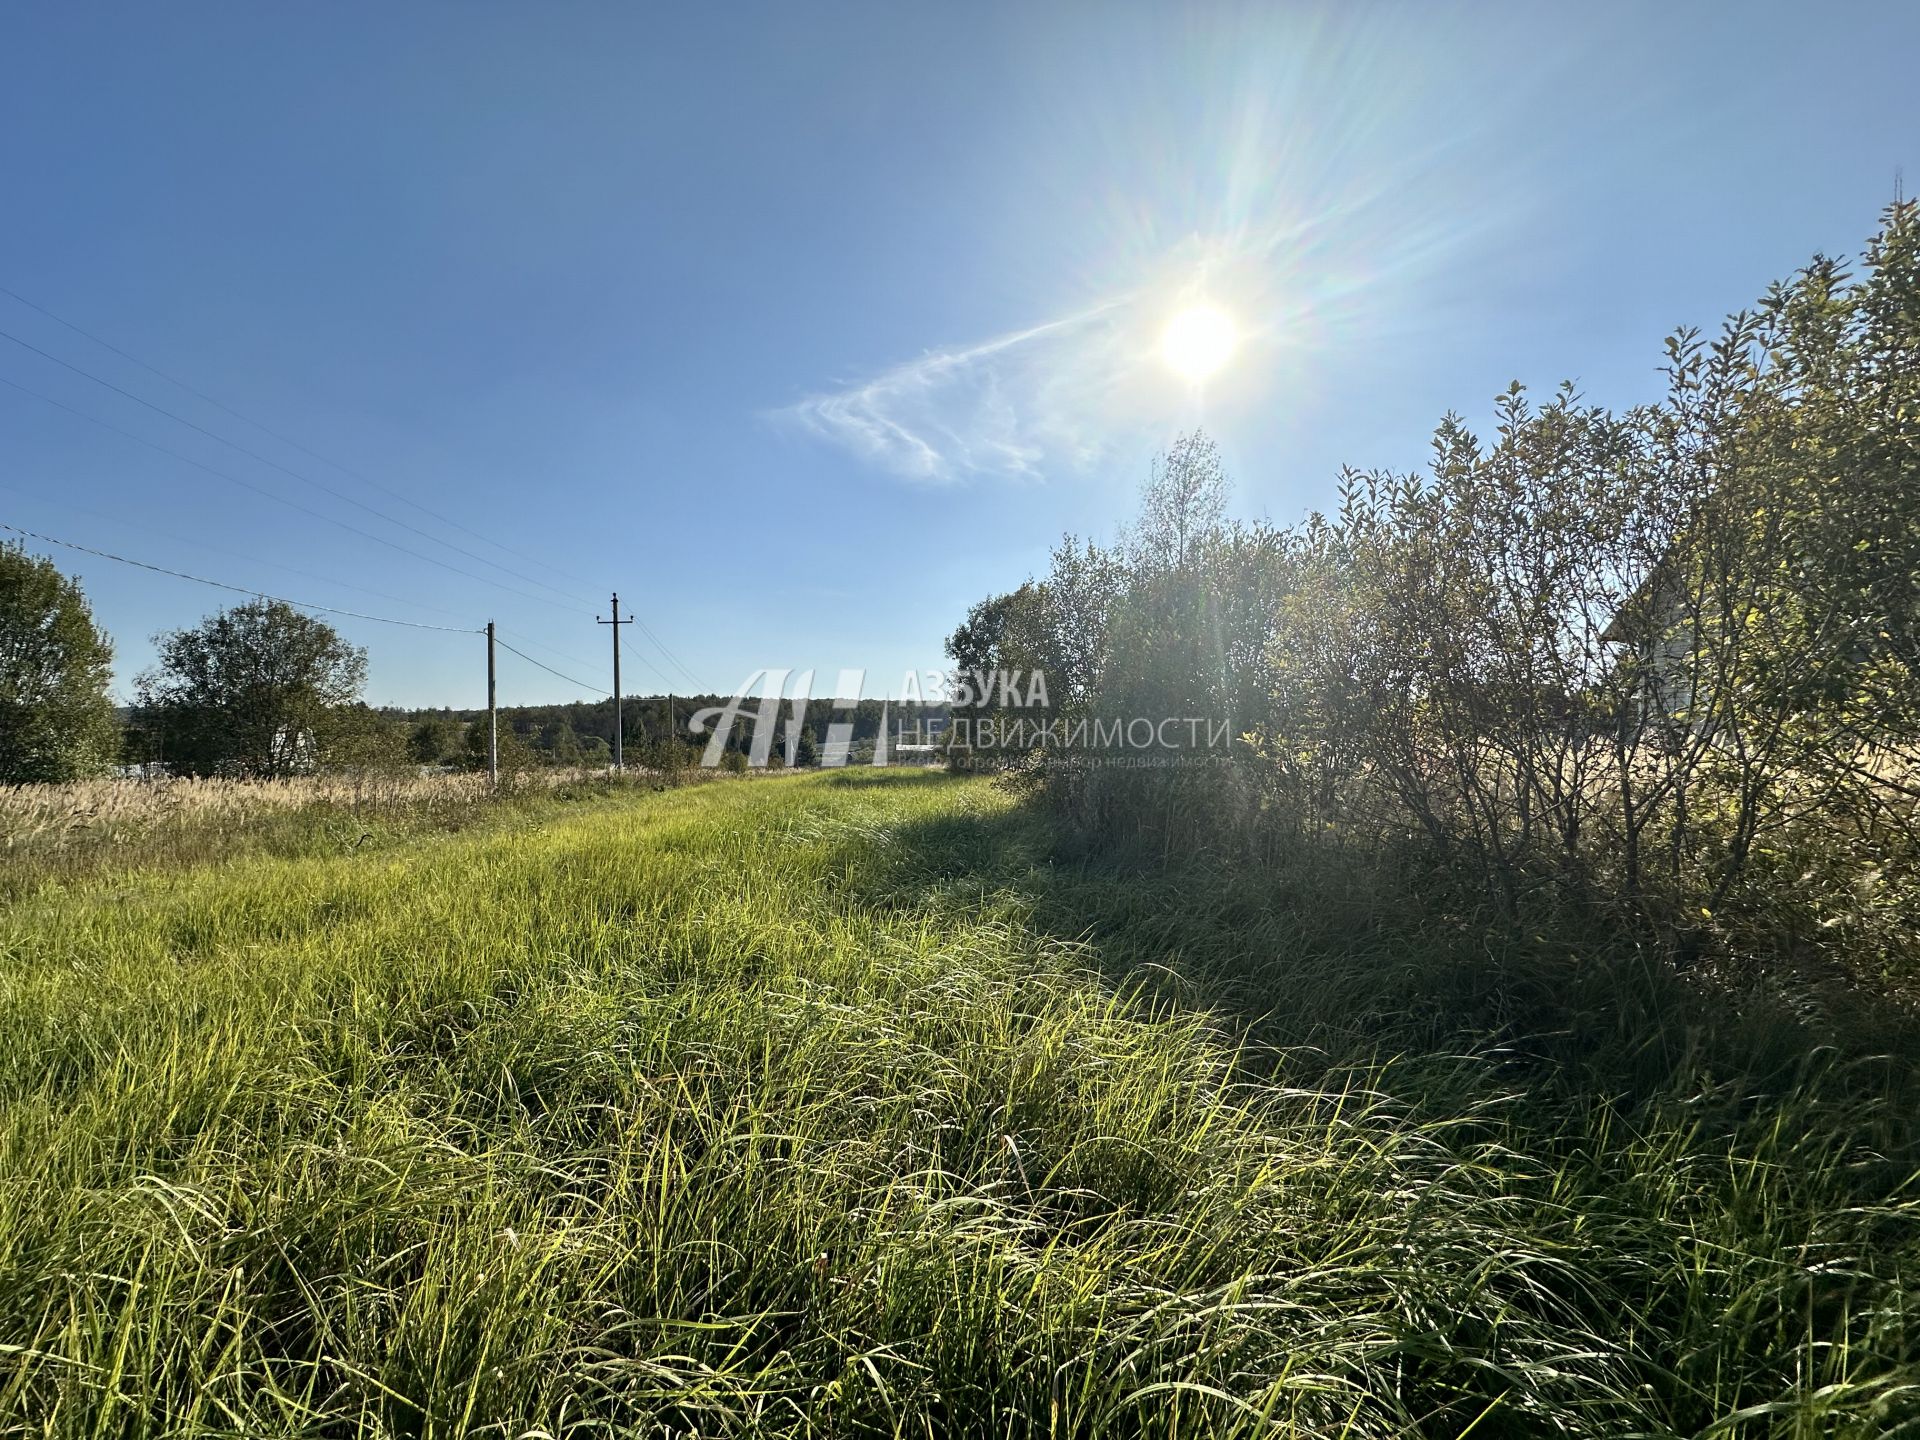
(657, 730)
(262, 690)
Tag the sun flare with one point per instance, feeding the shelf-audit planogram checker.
(1199, 341)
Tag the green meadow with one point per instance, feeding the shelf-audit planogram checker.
(860, 1104)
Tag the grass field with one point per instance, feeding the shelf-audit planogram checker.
(848, 1105)
(56, 834)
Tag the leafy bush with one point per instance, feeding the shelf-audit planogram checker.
(1660, 666)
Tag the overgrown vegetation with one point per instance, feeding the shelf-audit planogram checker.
(807, 1107)
(56, 834)
(1492, 1038)
(1658, 670)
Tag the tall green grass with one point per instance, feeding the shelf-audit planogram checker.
(844, 1105)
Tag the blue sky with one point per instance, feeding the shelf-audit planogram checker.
(807, 326)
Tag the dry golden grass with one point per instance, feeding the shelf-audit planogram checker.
(37, 813)
(58, 832)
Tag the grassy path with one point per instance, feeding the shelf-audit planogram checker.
(795, 1107)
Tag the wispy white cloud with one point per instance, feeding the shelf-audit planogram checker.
(1011, 405)
(1063, 395)
(1314, 230)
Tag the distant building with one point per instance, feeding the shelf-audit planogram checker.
(917, 742)
(294, 751)
(1653, 624)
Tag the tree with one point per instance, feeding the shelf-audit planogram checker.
(977, 647)
(361, 738)
(559, 743)
(516, 754)
(56, 722)
(1184, 501)
(436, 740)
(259, 690)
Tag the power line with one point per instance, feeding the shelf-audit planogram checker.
(561, 654)
(661, 646)
(286, 440)
(239, 589)
(285, 470)
(590, 689)
(277, 498)
(160, 534)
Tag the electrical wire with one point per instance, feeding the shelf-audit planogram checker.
(239, 589)
(287, 440)
(159, 534)
(278, 499)
(590, 689)
(661, 646)
(296, 604)
(525, 639)
(285, 470)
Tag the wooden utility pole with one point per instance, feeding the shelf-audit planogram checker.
(619, 760)
(493, 719)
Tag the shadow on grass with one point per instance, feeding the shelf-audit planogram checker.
(1340, 967)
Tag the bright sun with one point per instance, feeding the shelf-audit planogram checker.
(1199, 341)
